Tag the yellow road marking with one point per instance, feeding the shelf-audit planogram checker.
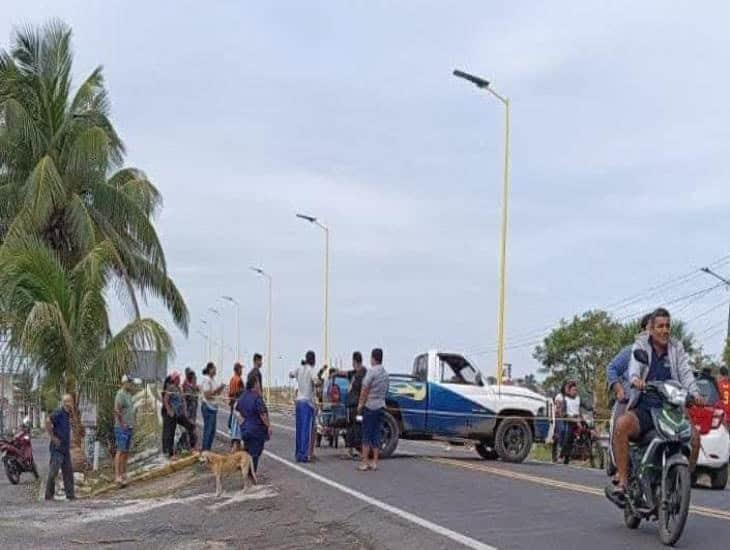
(550, 482)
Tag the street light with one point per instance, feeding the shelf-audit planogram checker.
(315, 221)
(206, 342)
(484, 85)
(209, 338)
(269, 357)
(233, 301)
(217, 313)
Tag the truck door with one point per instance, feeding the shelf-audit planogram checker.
(451, 411)
(411, 395)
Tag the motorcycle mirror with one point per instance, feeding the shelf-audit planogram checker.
(641, 356)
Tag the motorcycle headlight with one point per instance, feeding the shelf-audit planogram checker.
(674, 395)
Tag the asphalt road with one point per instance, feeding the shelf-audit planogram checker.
(427, 497)
(531, 505)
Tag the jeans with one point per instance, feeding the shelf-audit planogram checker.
(60, 460)
(255, 447)
(372, 422)
(169, 425)
(210, 417)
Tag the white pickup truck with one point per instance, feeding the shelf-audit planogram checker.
(445, 397)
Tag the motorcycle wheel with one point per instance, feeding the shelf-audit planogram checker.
(12, 472)
(673, 515)
(631, 521)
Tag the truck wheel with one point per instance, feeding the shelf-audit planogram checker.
(389, 435)
(513, 440)
(486, 452)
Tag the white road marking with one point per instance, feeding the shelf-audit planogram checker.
(433, 527)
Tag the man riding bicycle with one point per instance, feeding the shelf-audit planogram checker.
(667, 361)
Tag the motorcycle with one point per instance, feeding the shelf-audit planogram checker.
(659, 482)
(586, 443)
(17, 455)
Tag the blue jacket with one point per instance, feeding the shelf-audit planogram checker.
(617, 370)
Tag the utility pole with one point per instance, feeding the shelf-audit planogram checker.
(727, 284)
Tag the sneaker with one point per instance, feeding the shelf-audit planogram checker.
(363, 467)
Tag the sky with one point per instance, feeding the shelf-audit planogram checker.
(244, 114)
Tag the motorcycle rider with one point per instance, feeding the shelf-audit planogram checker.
(667, 361)
(618, 382)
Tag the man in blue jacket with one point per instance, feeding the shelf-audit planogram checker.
(617, 374)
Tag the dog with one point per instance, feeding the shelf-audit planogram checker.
(224, 464)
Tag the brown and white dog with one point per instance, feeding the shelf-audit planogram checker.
(224, 464)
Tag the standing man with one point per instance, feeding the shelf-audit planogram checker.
(58, 426)
(354, 431)
(723, 382)
(235, 389)
(123, 428)
(372, 406)
(305, 376)
(256, 371)
(210, 389)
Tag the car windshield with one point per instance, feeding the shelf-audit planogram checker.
(708, 390)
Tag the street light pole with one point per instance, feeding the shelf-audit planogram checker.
(205, 343)
(220, 321)
(484, 85)
(238, 324)
(209, 339)
(727, 284)
(315, 221)
(269, 356)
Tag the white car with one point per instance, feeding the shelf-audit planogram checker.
(714, 456)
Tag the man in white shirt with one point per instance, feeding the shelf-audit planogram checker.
(306, 377)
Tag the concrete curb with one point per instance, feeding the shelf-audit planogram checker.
(150, 475)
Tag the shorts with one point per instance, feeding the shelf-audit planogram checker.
(646, 421)
(123, 438)
(234, 429)
(372, 422)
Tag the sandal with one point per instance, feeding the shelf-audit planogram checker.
(363, 467)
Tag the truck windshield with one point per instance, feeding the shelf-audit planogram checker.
(454, 369)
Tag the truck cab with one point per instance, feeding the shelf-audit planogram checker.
(445, 397)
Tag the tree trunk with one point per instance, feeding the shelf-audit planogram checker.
(78, 450)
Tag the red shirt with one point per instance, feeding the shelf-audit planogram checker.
(235, 386)
(724, 386)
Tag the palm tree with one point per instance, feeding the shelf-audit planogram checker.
(58, 317)
(61, 175)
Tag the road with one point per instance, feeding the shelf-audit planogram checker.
(531, 505)
(426, 497)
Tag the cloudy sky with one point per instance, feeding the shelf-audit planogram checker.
(245, 113)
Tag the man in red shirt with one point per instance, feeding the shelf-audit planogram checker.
(723, 383)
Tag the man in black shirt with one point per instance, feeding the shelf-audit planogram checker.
(355, 376)
(255, 372)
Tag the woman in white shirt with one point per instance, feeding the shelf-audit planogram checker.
(571, 405)
(209, 390)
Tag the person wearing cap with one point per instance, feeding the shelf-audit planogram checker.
(174, 414)
(124, 414)
(305, 376)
